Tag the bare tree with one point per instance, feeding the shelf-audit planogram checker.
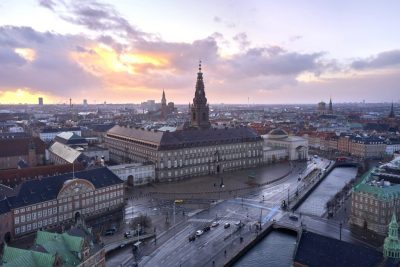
(143, 220)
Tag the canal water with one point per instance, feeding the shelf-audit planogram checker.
(276, 249)
(315, 204)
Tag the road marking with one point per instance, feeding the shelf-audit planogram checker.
(248, 204)
(270, 214)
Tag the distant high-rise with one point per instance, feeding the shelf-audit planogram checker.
(85, 102)
(321, 108)
(330, 108)
(200, 109)
(391, 114)
(40, 101)
(163, 106)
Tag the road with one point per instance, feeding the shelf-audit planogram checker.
(173, 247)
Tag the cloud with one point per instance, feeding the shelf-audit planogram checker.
(47, 4)
(217, 19)
(9, 57)
(295, 38)
(226, 23)
(242, 40)
(275, 61)
(121, 63)
(381, 60)
(51, 69)
(95, 16)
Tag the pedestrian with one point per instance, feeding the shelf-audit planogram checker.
(225, 253)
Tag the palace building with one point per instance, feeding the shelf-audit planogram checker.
(197, 149)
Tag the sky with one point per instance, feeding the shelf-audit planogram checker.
(257, 52)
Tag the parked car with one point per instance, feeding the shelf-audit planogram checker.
(192, 238)
(199, 232)
(129, 234)
(206, 228)
(214, 224)
(109, 232)
(227, 225)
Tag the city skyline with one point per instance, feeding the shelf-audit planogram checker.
(129, 51)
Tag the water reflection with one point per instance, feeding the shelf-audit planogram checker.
(276, 250)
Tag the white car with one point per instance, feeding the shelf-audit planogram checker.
(214, 224)
(199, 232)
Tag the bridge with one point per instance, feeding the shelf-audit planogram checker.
(286, 226)
(347, 162)
(351, 163)
(125, 241)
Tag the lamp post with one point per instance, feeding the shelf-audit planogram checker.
(174, 213)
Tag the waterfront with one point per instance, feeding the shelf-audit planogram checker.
(315, 204)
(276, 249)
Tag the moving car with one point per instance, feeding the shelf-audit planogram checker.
(192, 238)
(206, 228)
(227, 225)
(293, 217)
(214, 224)
(199, 232)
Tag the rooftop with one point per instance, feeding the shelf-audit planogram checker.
(315, 250)
(36, 191)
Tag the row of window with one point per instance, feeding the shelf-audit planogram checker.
(370, 217)
(52, 220)
(186, 162)
(205, 168)
(211, 149)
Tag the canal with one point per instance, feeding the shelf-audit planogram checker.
(315, 204)
(276, 249)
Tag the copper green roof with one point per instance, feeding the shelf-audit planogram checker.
(382, 193)
(67, 247)
(16, 257)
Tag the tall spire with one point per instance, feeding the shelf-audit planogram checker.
(330, 108)
(163, 99)
(163, 111)
(200, 108)
(391, 245)
(391, 114)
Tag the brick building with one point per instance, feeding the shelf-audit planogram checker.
(62, 199)
(14, 149)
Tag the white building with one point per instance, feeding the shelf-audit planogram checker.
(274, 154)
(48, 135)
(62, 154)
(296, 147)
(392, 147)
(136, 173)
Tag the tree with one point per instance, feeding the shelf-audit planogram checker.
(143, 220)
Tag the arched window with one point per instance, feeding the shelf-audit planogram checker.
(194, 116)
(204, 116)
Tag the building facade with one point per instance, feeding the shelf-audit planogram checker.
(59, 200)
(48, 135)
(375, 197)
(367, 147)
(14, 149)
(296, 147)
(192, 151)
(135, 174)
